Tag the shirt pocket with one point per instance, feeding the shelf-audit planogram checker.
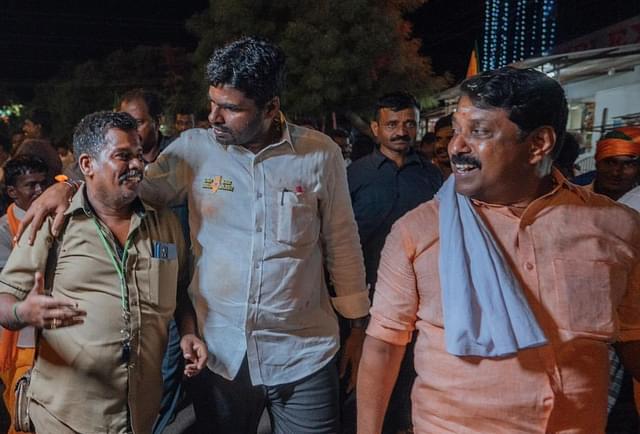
(588, 293)
(163, 281)
(297, 223)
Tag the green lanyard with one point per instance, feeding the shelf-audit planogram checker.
(119, 265)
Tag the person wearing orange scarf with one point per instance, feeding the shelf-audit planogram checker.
(25, 178)
(618, 162)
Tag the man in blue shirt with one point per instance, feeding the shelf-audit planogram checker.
(384, 185)
(393, 179)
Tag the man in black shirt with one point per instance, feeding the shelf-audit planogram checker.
(384, 185)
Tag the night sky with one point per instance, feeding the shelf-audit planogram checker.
(37, 37)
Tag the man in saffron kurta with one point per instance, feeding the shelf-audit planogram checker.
(574, 254)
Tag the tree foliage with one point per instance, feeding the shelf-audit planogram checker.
(97, 84)
(341, 54)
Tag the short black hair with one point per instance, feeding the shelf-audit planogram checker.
(184, 110)
(568, 155)
(395, 101)
(531, 98)
(150, 98)
(21, 165)
(443, 122)
(89, 136)
(428, 138)
(252, 65)
(41, 117)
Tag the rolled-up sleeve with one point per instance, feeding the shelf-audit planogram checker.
(17, 276)
(341, 243)
(395, 302)
(166, 179)
(629, 308)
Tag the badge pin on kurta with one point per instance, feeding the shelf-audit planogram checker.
(217, 183)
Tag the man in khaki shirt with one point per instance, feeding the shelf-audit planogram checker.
(121, 263)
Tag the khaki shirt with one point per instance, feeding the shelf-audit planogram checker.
(79, 376)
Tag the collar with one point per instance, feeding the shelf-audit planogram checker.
(379, 158)
(527, 214)
(79, 202)
(285, 138)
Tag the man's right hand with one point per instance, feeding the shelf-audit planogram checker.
(53, 201)
(40, 310)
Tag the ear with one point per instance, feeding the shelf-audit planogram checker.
(375, 128)
(273, 107)
(542, 142)
(11, 192)
(85, 164)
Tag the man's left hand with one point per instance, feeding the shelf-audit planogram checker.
(195, 354)
(351, 356)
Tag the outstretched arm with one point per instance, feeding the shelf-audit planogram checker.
(38, 310)
(377, 375)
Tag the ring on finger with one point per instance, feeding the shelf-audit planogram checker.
(54, 323)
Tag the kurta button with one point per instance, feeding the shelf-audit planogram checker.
(528, 266)
(259, 195)
(258, 229)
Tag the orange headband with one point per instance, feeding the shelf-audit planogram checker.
(621, 141)
(616, 147)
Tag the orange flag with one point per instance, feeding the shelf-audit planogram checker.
(472, 69)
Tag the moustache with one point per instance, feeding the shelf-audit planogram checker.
(132, 174)
(401, 139)
(465, 159)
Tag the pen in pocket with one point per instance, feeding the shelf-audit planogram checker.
(284, 190)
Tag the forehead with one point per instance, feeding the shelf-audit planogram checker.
(388, 114)
(30, 177)
(468, 112)
(444, 132)
(225, 94)
(117, 139)
(135, 107)
(622, 158)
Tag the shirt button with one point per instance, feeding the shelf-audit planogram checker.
(258, 229)
(528, 266)
(259, 195)
(257, 265)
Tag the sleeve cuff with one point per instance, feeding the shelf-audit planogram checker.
(390, 336)
(8, 288)
(629, 335)
(353, 305)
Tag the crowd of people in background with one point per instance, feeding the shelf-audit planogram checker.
(460, 280)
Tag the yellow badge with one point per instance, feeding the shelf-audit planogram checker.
(217, 183)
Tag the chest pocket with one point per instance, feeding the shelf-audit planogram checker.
(298, 222)
(163, 282)
(588, 294)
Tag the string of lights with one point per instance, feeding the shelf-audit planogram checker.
(516, 29)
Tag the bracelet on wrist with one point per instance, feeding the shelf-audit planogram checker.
(75, 186)
(15, 312)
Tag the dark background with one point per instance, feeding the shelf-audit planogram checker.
(37, 38)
